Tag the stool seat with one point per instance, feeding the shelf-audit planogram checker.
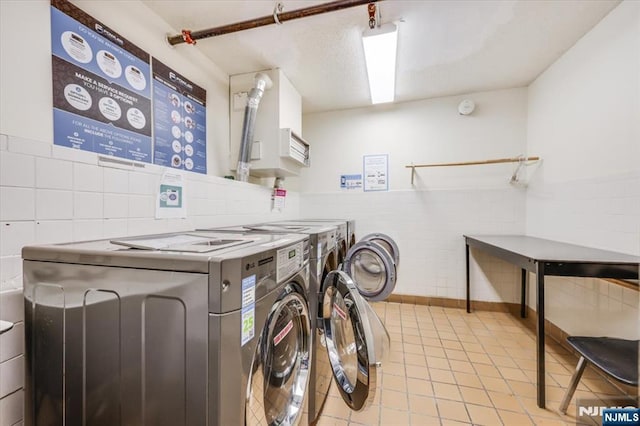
(616, 357)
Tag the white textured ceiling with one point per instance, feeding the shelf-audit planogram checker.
(444, 47)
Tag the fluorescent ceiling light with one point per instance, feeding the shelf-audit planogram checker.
(380, 45)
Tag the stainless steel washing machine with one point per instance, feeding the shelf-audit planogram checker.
(174, 329)
(351, 228)
(346, 328)
(342, 238)
(323, 260)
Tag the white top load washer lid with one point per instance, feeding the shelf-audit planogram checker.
(372, 270)
(176, 256)
(357, 342)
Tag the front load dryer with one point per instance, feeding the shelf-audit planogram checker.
(173, 329)
(323, 259)
(342, 238)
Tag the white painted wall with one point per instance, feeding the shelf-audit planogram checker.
(584, 120)
(428, 220)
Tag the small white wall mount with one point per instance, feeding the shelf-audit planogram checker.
(466, 107)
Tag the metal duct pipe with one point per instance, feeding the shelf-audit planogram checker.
(187, 36)
(262, 82)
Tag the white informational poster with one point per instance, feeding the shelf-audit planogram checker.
(376, 172)
(171, 201)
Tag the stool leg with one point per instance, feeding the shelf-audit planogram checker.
(573, 384)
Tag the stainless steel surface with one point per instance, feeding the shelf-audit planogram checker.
(107, 346)
(278, 381)
(322, 238)
(157, 344)
(322, 260)
(351, 340)
(342, 235)
(351, 228)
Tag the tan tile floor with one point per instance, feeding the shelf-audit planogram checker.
(447, 367)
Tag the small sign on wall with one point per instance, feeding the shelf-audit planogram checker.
(376, 172)
(171, 202)
(351, 181)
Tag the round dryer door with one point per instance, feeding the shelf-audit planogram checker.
(372, 269)
(356, 340)
(280, 370)
(386, 242)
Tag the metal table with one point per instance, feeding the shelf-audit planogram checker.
(547, 257)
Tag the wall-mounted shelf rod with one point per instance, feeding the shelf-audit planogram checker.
(413, 167)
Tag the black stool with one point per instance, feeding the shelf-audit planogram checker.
(616, 357)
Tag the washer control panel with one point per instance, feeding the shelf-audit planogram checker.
(289, 260)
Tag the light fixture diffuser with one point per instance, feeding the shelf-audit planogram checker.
(380, 47)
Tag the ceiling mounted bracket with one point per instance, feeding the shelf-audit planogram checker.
(278, 8)
(374, 15)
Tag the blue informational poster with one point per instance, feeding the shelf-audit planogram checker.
(179, 114)
(101, 87)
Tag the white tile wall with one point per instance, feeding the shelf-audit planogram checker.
(117, 205)
(428, 227)
(28, 146)
(87, 177)
(54, 174)
(17, 170)
(15, 235)
(54, 194)
(142, 205)
(17, 203)
(115, 228)
(89, 229)
(54, 204)
(53, 231)
(88, 205)
(116, 180)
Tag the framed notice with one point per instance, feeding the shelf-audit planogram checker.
(179, 111)
(101, 87)
(376, 172)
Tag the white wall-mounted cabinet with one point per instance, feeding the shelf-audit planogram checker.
(278, 147)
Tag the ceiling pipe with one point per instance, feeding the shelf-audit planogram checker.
(190, 37)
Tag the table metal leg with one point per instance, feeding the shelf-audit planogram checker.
(540, 365)
(523, 295)
(468, 287)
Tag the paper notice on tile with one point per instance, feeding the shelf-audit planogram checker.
(376, 172)
(278, 198)
(170, 202)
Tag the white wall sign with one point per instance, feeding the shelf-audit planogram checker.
(171, 201)
(376, 172)
(351, 181)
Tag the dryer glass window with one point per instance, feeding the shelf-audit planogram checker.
(372, 269)
(280, 370)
